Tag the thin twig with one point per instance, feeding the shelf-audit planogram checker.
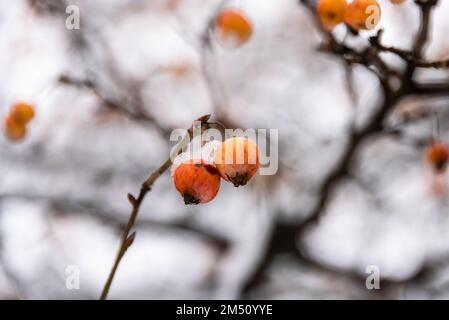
(127, 238)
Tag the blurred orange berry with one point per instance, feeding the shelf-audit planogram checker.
(22, 113)
(437, 155)
(331, 12)
(363, 14)
(233, 28)
(14, 131)
(179, 70)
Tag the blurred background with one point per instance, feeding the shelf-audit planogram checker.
(107, 97)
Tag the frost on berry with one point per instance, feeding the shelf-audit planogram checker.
(209, 151)
(207, 154)
(182, 158)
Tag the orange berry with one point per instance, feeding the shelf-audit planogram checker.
(437, 155)
(22, 112)
(363, 14)
(237, 160)
(14, 131)
(197, 181)
(331, 12)
(233, 28)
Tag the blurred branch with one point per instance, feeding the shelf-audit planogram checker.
(210, 73)
(92, 209)
(408, 58)
(48, 6)
(413, 57)
(422, 37)
(285, 236)
(135, 114)
(431, 89)
(204, 44)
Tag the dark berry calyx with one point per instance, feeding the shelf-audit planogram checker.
(440, 165)
(240, 179)
(189, 199)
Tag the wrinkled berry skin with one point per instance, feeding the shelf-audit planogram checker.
(437, 155)
(237, 160)
(196, 181)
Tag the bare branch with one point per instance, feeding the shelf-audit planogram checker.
(135, 114)
(137, 202)
(284, 237)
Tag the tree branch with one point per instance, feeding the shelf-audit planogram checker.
(136, 114)
(284, 236)
(127, 238)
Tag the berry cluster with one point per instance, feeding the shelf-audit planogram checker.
(17, 120)
(357, 15)
(236, 160)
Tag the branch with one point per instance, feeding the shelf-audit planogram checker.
(284, 237)
(422, 37)
(440, 89)
(91, 209)
(216, 89)
(409, 59)
(136, 114)
(127, 238)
